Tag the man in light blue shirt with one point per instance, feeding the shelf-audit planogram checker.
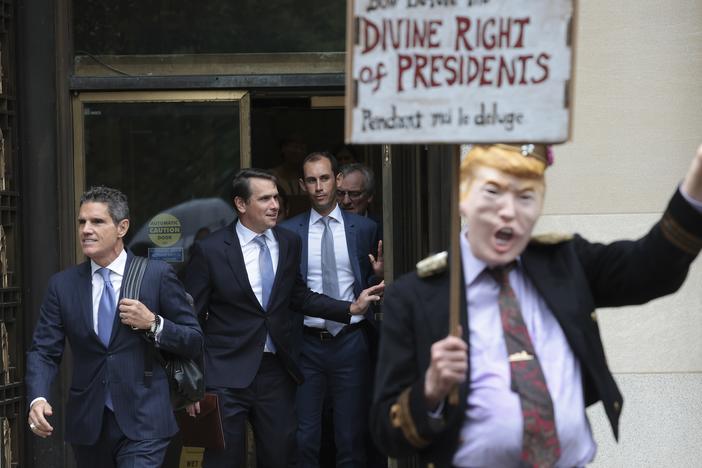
(335, 358)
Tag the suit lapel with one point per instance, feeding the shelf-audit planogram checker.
(464, 319)
(438, 300)
(85, 296)
(283, 253)
(116, 322)
(303, 230)
(235, 257)
(351, 233)
(555, 287)
(86, 300)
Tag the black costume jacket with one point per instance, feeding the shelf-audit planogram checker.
(572, 275)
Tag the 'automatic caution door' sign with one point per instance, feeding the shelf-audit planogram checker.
(165, 231)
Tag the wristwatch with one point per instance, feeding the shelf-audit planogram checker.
(154, 325)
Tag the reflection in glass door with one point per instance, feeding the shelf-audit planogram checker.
(172, 153)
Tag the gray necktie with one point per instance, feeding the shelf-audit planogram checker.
(265, 268)
(330, 280)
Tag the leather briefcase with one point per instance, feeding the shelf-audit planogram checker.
(205, 429)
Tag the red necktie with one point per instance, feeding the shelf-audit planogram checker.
(540, 446)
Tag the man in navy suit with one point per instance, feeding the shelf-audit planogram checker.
(335, 358)
(246, 281)
(114, 417)
(355, 186)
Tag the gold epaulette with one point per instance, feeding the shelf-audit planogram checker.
(432, 265)
(550, 238)
(401, 417)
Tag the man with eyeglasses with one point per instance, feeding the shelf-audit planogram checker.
(354, 192)
(356, 185)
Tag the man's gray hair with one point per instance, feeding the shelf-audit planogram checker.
(116, 201)
(368, 177)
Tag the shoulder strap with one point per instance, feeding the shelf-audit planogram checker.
(131, 284)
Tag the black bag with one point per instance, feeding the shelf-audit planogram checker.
(185, 376)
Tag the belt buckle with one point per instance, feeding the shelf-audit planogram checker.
(325, 335)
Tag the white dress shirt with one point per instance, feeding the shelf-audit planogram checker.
(116, 268)
(343, 262)
(116, 275)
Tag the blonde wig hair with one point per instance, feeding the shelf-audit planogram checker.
(524, 161)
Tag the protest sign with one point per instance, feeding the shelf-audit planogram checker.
(456, 71)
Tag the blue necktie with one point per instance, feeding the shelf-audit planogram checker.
(106, 309)
(106, 316)
(330, 280)
(265, 268)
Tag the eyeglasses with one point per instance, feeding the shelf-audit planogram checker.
(353, 194)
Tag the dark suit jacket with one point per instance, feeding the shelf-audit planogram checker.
(361, 239)
(67, 313)
(377, 219)
(573, 276)
(236, 325)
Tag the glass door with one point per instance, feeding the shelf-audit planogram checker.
(173, 153)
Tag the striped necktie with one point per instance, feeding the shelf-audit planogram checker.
(540, 446)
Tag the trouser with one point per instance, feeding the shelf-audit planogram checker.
(114, 450)
(339, 366)
(269, 403)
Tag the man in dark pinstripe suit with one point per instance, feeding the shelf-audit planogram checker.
(115, 416)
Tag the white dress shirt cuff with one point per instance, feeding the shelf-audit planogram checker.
(696, 204)
(157, 335)
(41, 398)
